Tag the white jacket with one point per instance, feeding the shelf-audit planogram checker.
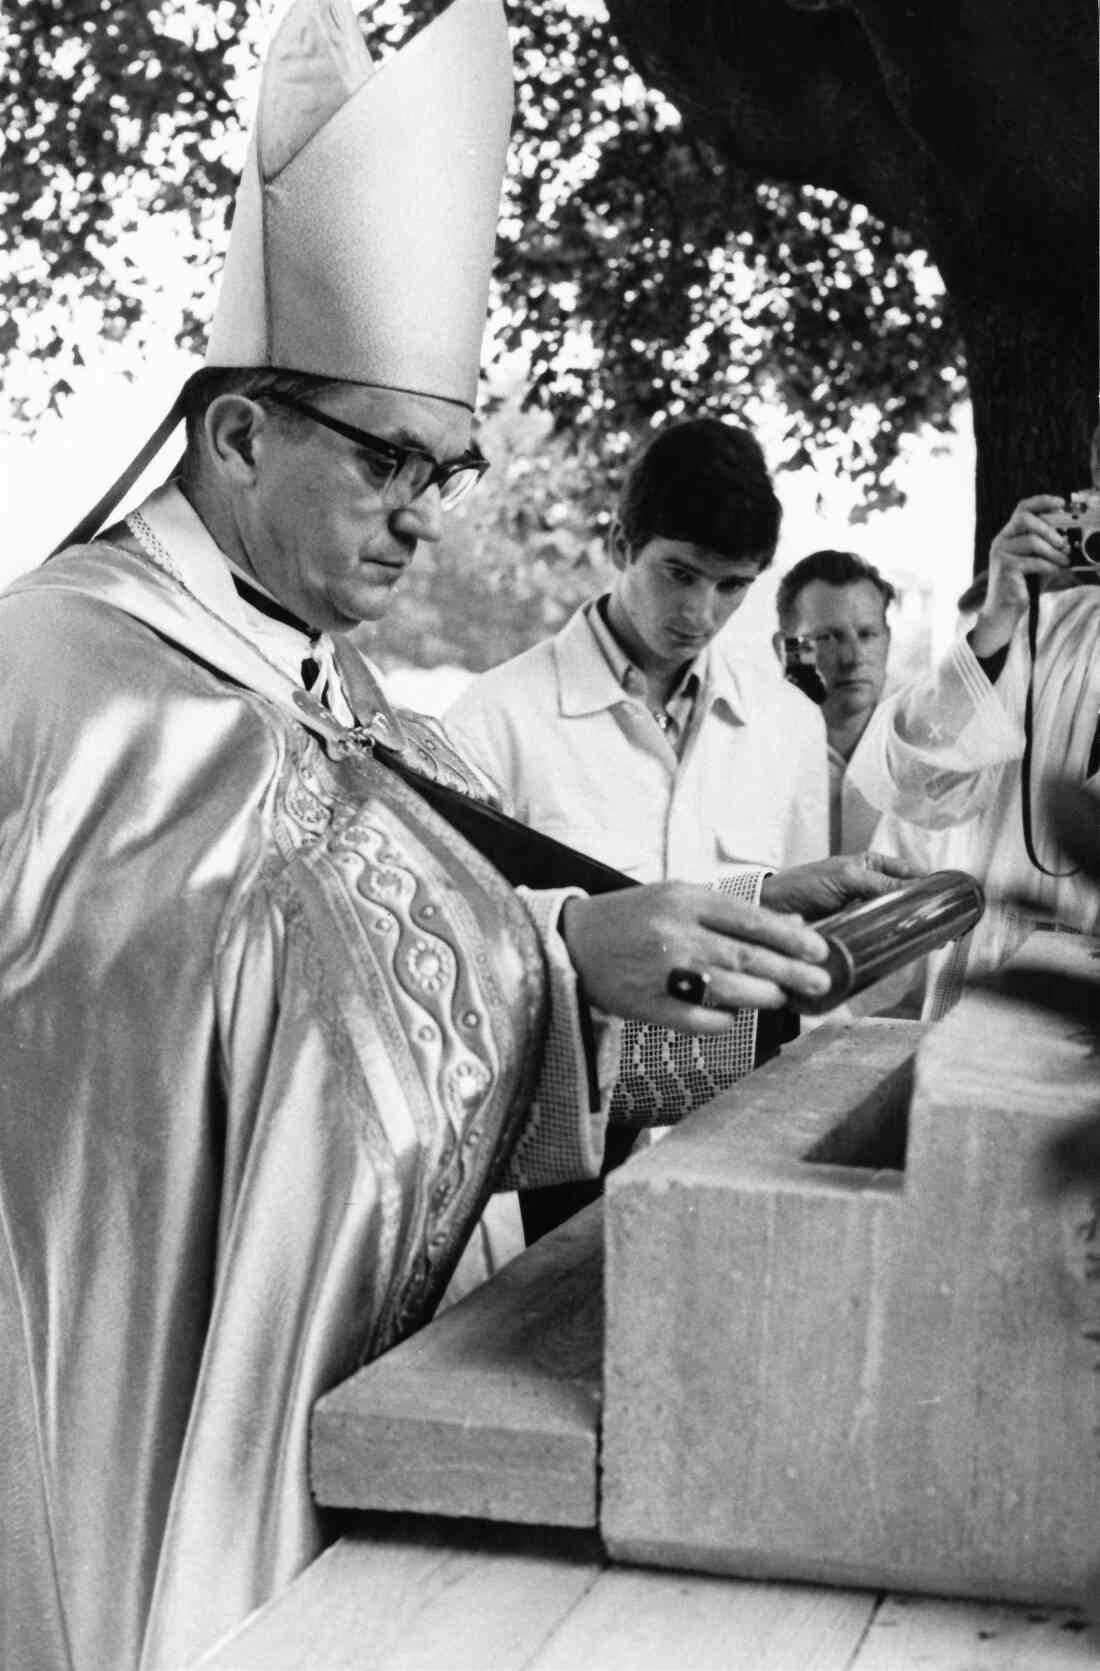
(578, 758)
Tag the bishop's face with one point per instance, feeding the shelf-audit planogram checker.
(321, 528)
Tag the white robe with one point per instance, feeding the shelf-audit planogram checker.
(945, 753)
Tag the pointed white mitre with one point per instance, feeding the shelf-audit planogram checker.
(366, 215)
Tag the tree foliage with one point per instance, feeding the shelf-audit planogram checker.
(519, 555)
(114, 114)
(765, 239)
(971, 126)
(649, 276)
(641, 271)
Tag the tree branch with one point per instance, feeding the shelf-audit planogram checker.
(796, 95)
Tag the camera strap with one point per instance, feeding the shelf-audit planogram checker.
(1033, 583)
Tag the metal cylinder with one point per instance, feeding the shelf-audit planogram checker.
(872, 939)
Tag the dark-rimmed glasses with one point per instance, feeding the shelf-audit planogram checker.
(407, 471)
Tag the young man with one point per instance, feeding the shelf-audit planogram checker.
(839, 602)
(269, 1022)
(631, 734)
(634, 736)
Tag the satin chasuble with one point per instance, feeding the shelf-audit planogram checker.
(266, 1019)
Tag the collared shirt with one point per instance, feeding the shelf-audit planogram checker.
(674, 717)
(582, 759)
(852, 818)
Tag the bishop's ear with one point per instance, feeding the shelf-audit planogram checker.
(232, 425)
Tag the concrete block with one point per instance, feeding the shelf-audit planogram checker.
(848, 1335)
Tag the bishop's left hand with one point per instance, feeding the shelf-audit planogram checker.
(627, 946)
(827, 885)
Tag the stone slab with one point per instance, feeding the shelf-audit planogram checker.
(492, 1411)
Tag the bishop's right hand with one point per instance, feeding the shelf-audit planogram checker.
(626, 946)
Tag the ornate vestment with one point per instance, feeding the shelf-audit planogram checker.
(266, 1020)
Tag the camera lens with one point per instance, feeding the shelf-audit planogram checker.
(1090, 547)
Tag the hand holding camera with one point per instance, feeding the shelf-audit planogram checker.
(1055, 539)
(798, 656)
(1079, 524)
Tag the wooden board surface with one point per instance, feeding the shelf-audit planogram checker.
(412, 1595)
(492, 1410)
(916, 1633)
(634, 1620)
(433, 1603)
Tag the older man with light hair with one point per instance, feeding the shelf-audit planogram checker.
(838, 603)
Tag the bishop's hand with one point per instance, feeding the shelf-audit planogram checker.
(627, 947)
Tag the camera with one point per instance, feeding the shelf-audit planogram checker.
(799, 658)
(1080, 523)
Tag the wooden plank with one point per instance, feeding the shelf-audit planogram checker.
(853, 1348)
(492, 1411)
(632, 1620)
(911, 1633)
(417, 1599)
(405, 1593)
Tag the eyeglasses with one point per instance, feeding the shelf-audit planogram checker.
(863, 638)
(404, 472)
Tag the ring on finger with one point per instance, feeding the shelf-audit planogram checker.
(691, 986)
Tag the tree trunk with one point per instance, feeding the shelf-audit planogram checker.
(1033, 387)
(972, 124)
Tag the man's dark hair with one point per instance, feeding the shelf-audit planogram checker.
(704, 482)
(254, 381)
(835, 568)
